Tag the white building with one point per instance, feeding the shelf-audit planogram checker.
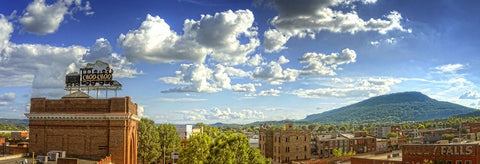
(184, 131)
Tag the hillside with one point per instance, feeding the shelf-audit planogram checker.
(396, 107)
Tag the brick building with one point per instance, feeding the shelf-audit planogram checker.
(85, 127)
(358, 142)
(441, 153)
(284, 146)
(472, 127)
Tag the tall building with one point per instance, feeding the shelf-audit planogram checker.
(284, 146)
(85, 127)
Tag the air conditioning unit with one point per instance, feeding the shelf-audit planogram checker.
(53, 156)
(42, 159)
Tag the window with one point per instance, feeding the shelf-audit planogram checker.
(439, 161)
(305, 148)
(449, 162)
(458, 161)
(286, 139)
(468, 162)
(297, 137)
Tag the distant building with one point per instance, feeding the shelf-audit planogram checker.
(358, 142)
(184, 131)
(197, 130)
(85, 127)
(472, 127)
(19, 135)
(284, 146)
(382, 132)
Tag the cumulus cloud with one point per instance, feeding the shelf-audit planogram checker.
(322, 64)
(41, 18)
(363, 87)
(102, 50)
(270, 92)
(6, 30)
(312, 16)
(244, 87)
(273, 73)
(470, 95)
(216, 35)
(219, 114)
(7, 98)
(44, 67)
(200, 78)
(140, 110)
(450, 68)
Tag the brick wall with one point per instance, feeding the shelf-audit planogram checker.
(89, 138)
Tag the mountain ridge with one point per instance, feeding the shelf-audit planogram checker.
(395, 107)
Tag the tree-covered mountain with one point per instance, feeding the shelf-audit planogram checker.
(396, 107)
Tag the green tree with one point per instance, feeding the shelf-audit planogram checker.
(448, 136)
(337, 152)
(234, 148)
(197, 150)
(148, 141)
(169, 141)
(209, 130)
(392, 134)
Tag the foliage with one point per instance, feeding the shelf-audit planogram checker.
(233, 148)
(197, 149)
(339, 153)
(209, 130)
(148, 141)
(426, 161)
(226, 148)
(392, 134)
(448, 136)
(169, 141)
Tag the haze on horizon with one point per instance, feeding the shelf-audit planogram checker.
(236, 61)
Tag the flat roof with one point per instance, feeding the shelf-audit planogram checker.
(382, 156)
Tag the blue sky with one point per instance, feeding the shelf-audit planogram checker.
(238, 61)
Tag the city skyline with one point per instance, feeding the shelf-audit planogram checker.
(190, 61)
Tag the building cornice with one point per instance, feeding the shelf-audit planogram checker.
(70, 116)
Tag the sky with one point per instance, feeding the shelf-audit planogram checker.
(238, 61)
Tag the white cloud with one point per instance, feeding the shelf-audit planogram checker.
(140, 110)
(102, 50)
(41, 18)
(184, 99)
(470, 95)
(388, 41)
(217, 114)
(7, 98)
(270, 92)
(450, 68)
(342, 88)
(255, 60)
(274, 40)
(244, 87)
(216, 35)
(274, 74)
(312, 16)
(6, 28)
(200, 78)
(44, 67)
(322, 64)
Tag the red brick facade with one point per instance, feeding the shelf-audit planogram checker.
(85, 128)
(441, 153)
